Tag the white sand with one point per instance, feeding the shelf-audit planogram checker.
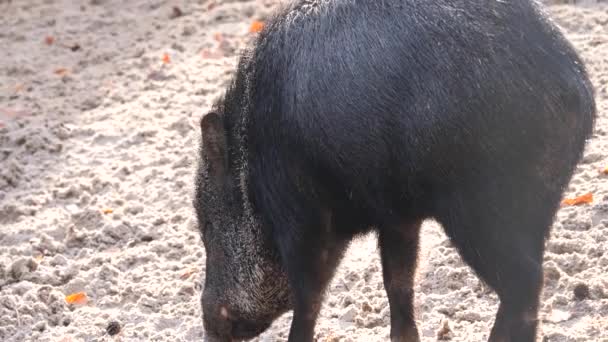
(118, 130)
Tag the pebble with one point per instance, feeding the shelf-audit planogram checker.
(58, 260)
(22, 267)
(581, 291)
(113, 328)
(349, 315)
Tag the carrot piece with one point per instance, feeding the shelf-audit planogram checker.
(76, 298)
(61, 71)
(187, 274)
(583, 199)
(256, 27)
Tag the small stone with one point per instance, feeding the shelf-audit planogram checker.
(347, 300)
(21, 267)
(90, 103)
(187, 290)
(581, 291)
(348, 315)
(134, 209)
(469, 316)
(444, 333)
(113, 328)
(176, 12)
(366, 307)
(40, 326)
(592, 158)
(147, 238)
(177, 218)
(158, 221)
(58, 260)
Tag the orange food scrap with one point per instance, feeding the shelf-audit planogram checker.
(584, 199)
(256, 27)
(49, 40)
(166, 58)
(605, 171)
(76, 298)
(61, 71)
(187, 274)
(107, 211)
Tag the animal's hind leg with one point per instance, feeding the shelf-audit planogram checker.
(399, 249)
(500, 232)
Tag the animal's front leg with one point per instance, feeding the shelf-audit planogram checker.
(311, 260)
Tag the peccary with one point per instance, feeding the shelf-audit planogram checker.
(353, 116)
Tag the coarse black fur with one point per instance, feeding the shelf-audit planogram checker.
(351, 116)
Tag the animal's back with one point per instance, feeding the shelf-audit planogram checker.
(392, 101)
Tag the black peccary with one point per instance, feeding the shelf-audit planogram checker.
(351, 116)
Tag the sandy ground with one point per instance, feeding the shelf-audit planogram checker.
(97, 145)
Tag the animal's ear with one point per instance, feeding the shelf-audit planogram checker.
(214, 144)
